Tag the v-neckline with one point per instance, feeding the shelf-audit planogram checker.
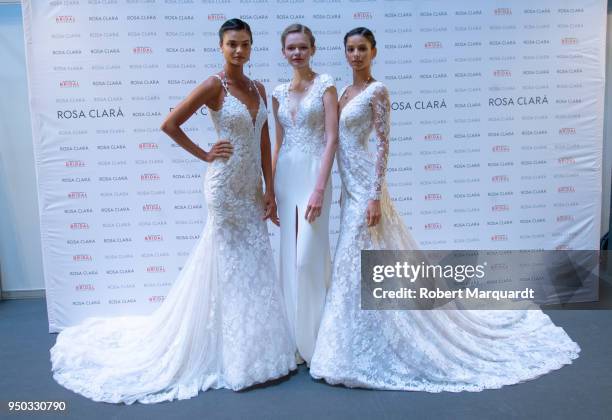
(228, 93)
(354, 97)
(299, 103)
(253, 119)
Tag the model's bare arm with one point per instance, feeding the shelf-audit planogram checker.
(202, 95)
(266, 166)
(278, 134)
(330, 103)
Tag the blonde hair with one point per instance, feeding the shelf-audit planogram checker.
(297, 28)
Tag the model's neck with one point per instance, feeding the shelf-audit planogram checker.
(233, 72)
(302, 74)
(362, 77)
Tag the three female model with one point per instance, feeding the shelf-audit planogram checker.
(229, 321)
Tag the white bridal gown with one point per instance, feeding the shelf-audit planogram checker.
(436, 350)
(223, 322)
(305, 259)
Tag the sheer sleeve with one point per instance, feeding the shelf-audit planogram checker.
(381, 113)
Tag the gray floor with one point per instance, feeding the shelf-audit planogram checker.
(582, 390)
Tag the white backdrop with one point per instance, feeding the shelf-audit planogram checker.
(496, 136)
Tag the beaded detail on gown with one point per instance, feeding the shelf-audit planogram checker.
(435, 350)
(223, 323)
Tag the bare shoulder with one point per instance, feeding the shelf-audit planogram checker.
(208, 89)
(212, 83)
(207, 93)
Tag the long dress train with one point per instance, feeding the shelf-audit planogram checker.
(435, 350)
(223, 323)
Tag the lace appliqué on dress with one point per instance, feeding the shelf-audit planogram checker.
(306, 129)
(381, 107)
(222, 323)
(436, 350)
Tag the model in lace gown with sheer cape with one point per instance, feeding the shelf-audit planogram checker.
(223, 322)
(430, 350)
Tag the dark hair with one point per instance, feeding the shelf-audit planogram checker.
(234, 24)
(364, 32)
(297, 28)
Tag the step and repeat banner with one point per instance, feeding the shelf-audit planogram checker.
(497, 123)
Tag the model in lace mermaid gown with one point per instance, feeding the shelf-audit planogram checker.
(436, 350)
(305, 258)
(223, 322)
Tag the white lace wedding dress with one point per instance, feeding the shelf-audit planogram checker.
(436, 350)
(223, 322)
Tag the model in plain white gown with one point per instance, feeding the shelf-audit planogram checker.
(223, 322)
(435, 350)
(305, 259)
